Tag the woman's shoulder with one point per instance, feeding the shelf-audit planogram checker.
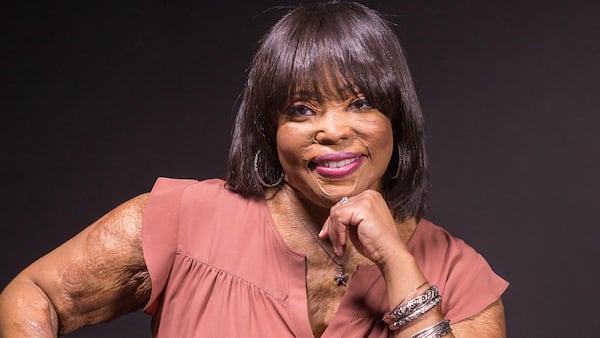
(174, 195)
(169, 183)
(429, 236)
(438, 251)
(465, 278)
(167, 188)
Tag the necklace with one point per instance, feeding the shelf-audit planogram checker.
(341, 277)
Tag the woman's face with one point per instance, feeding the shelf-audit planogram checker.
(335, 148)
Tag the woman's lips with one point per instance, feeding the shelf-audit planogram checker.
(336, 165)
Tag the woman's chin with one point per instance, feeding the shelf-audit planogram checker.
(332, 193)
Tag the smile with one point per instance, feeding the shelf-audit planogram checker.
(336, 165)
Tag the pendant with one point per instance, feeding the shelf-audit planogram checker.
(341, 277)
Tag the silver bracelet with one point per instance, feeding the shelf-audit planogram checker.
(412, 292)
(402, 311)
(418, 312)
(437, 330)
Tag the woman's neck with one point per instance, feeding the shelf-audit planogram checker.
(290, 200)
(292, 204)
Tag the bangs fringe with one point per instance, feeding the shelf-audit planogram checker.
(329, 57)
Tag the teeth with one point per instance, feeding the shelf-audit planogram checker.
(338, 164)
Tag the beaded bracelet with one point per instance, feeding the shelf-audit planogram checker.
(437, 330)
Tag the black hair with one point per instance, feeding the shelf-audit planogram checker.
(356, 46)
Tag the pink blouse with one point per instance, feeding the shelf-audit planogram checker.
(220, 268)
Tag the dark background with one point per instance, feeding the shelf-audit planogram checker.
(101, 98)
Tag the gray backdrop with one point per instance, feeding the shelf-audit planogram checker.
(100, 99)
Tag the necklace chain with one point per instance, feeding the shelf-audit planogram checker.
(341, 276)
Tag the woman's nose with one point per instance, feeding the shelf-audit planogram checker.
(333, 127)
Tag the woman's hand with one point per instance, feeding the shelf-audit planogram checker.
(367, 222)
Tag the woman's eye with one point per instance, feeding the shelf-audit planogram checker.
(299, 110)
(360, 104)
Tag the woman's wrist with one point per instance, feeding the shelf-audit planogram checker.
(405, 284)
(396, 264)
(418, 315)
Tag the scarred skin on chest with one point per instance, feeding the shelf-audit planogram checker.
(323, 294)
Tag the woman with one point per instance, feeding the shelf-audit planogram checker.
(317, 230)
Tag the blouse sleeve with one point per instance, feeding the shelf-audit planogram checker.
(466, 281)
(160, 233)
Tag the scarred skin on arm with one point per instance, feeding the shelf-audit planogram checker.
(488, 323)
(94, 277)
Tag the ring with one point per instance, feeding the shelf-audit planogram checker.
(344, 200)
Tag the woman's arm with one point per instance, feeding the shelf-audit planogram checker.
(94, 277)
(488, 323)
(365, 220)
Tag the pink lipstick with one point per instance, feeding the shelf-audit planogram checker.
(337, 165)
